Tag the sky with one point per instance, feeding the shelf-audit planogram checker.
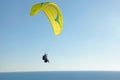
(90, 39)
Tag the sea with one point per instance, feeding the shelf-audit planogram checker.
(61, 75)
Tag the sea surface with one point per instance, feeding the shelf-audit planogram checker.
(61, 75)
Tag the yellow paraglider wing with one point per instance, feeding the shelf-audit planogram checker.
(52, 12)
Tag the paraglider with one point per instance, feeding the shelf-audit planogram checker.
(52, 12)
(45, 58)
(54, 15)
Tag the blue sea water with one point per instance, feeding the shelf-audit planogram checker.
(61, 75)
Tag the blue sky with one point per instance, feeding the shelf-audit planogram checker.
(90, 39)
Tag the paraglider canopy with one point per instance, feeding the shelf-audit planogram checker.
(45, 58)
(52, 12)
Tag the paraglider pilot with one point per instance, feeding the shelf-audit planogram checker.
(45, 58)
